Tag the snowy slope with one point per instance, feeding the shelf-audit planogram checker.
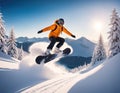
(62, 84)
(4, 65)
(52, 78)
(7, 62)
(3, 56)
(15, 76)
(104, 78)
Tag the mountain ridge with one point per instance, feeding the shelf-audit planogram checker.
(81, 46)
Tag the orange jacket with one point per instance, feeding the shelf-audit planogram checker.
(55, 30)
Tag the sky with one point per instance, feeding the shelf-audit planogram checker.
(83, 18)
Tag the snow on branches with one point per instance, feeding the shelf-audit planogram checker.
(3, 38)
(8, 44)
(99, 52)
(12, 49)
(114, 34)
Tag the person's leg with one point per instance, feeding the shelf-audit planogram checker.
(52, 42)
(61, 41)
(51, 45)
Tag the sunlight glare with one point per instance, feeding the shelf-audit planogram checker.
(98, 26)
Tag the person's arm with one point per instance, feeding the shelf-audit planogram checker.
(47, 28)
(68, 33)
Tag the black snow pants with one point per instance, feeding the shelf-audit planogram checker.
(54, 40)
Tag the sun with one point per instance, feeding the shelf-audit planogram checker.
(98, 26)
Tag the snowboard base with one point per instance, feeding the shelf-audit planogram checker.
(47, 58)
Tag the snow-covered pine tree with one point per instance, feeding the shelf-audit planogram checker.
(99, 52)
(114, 34)
(12, 49)
(3, 38)
(20, 53)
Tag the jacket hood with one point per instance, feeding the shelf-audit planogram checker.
(56, 21)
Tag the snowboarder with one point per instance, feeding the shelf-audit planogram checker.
(55, 30)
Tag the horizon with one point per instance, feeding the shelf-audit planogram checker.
(83, 18)
(65, 38)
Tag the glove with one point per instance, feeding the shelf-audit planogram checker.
(73, 36)
(39, 31)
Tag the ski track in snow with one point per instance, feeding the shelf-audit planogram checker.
(61, 85)
(54, 86)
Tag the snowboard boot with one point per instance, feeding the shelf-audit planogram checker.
(57, 50)
(47, 52)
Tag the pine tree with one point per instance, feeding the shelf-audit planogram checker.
(12, 49)
(3, 38)
(114, 34)
(99, 52)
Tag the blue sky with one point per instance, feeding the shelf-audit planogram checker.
(29, 16)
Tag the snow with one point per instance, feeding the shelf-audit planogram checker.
(7, 62)
(6, 65)
(99, 52)
(82, 47)
(52, 78)
(114, 35)
(105, 80)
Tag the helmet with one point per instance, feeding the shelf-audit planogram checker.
(61, 21)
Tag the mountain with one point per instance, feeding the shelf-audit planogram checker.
(82, 50)
(81, 47)
(34, 39)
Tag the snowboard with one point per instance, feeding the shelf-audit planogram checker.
(45, 59)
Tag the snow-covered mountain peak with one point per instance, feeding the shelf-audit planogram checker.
(85, 41)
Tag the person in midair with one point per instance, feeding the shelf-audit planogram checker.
(55, 30)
